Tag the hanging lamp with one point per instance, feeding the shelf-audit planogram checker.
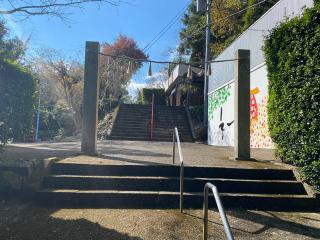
(209, 70)
(189, 74)
(150, 70)
(129, 70)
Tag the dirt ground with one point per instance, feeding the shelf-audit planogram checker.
(26, 222)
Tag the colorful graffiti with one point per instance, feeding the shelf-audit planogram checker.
(259, 132)
(216, 100)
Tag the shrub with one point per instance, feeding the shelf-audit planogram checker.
(17, 100)
(5, 135)
(292, 53)
(146, 96)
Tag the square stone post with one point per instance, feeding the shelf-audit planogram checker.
(90, 99)
(242, 105)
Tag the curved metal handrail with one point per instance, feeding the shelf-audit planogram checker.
(222, 213)
(176, 137)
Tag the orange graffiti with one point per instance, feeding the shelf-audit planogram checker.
(259, 133)
(254, 109)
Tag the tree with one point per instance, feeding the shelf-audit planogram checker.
(17, 99)
(115, 73)
(224, 26)
(254, 12)
(62, 83)
(229, 20)
(192, 36)
(10, 48)
(17, 89)
(55, 8)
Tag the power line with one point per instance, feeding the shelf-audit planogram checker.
(166, 28)
(196, 64)
(242, 10)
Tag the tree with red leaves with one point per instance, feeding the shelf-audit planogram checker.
(115, 73)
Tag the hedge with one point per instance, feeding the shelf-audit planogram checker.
(292, 52)
(146, 96)
(17, 100)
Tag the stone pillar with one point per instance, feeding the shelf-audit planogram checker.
(242, 105)
(90, 99)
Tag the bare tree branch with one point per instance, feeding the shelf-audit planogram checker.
(49, 7)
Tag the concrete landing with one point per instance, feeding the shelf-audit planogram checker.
(140, 152)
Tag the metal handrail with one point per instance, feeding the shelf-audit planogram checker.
(176, 137)
(222, 213)
(152, 117)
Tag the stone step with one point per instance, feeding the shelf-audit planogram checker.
(133, 123)
(146, 132)
(147, 121)
(156, 116)
(149, 109)
(135, 138)
(133, 183)
(139, 106)
(147, 136)
(145, 127)
(171, 171)
(138, 124)
(159, 199)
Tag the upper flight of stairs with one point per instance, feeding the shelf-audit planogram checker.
(133, 122)
(157, 186)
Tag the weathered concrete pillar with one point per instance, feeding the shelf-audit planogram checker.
(242, 106)
(90, 99)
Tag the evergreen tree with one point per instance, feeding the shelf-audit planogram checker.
(192, 36)
(227, 23)
(254, 13)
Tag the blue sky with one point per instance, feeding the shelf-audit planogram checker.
(140, 19)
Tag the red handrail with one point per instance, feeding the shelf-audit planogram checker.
(152, 116)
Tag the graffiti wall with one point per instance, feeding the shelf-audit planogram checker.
(221, 116)
(259, 132)
(221, 113)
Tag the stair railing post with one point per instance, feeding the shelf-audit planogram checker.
(173, 148)
(222, 213)
(205, 214)
(181, 186)
(152, 116)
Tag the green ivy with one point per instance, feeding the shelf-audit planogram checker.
(17, 100)
(217, 99)
(292, 52)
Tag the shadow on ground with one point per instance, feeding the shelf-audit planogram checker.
(32, 223)
(268, 221)
(272, 220)
(26, 222)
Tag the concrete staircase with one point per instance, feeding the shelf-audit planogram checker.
(133, 123)
(157, 186)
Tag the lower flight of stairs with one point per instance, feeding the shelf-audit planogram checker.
(133, 122)
(157, 186)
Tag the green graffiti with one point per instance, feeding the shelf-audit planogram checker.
(216, 100)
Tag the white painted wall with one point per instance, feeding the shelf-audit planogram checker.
(221, 112)
(221, 116)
